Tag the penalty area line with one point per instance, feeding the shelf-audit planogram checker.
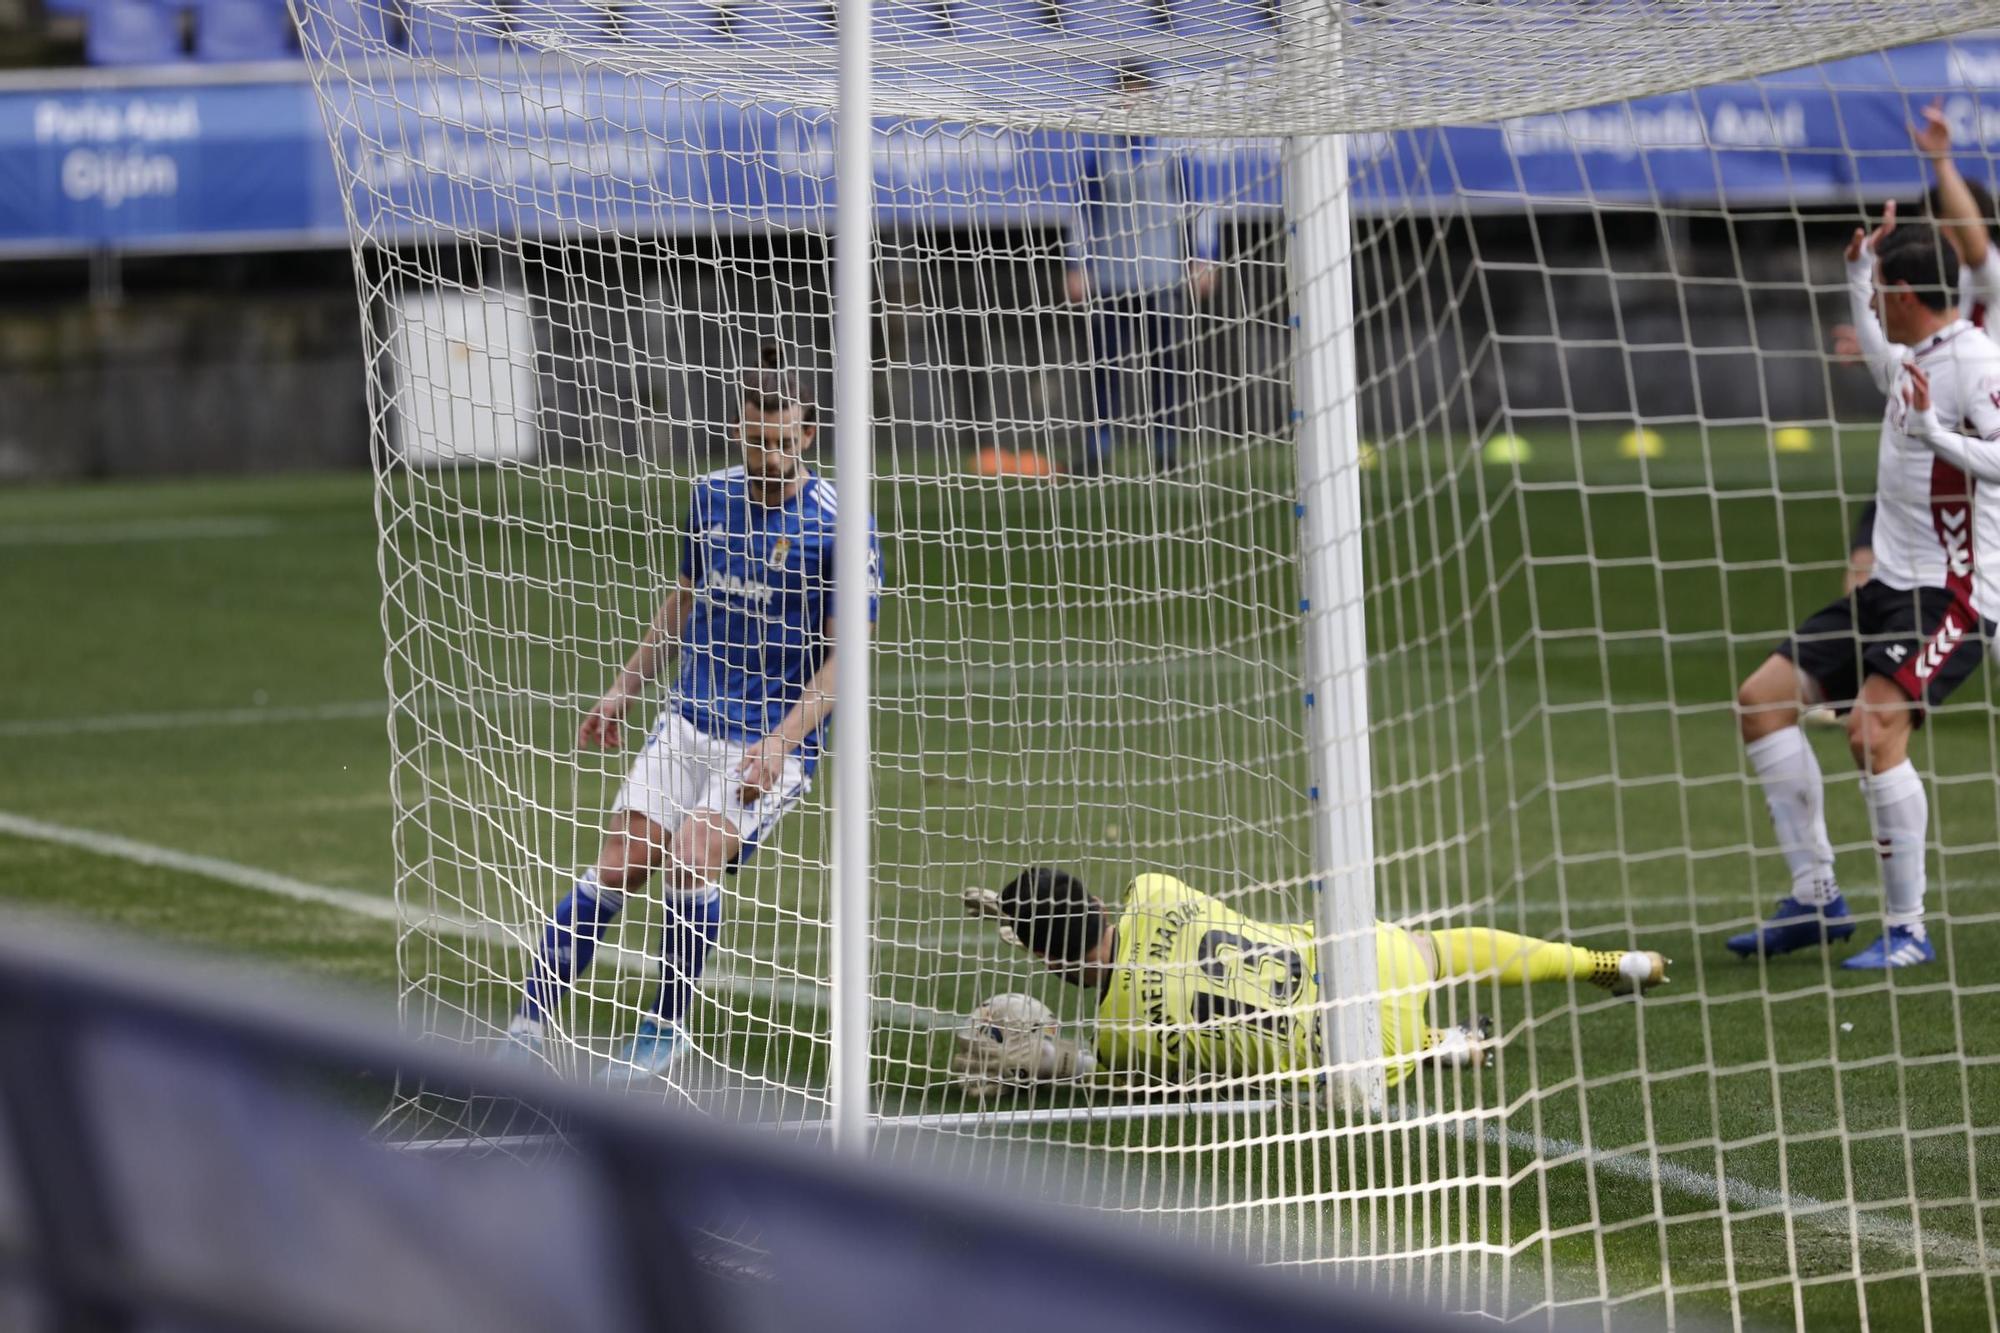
(797, 991)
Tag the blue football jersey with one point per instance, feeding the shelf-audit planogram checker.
(763, 580)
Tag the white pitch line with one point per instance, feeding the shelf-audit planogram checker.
(149, 530)
(790, 990)
(224, 872)
(1736, 1196)
(194, 718)
(1818, 1214)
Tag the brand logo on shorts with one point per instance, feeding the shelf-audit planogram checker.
(1899, 651)
(1939, 648)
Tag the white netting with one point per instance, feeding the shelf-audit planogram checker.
(1606, 465)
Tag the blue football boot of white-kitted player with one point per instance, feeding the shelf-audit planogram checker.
(652, 1050)
(1796, 925)
(1900, 946)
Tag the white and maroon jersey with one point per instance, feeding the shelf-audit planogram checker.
(1979, 288)
(1932, 524)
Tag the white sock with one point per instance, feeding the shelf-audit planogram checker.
(1900, 812)
(1796, 797)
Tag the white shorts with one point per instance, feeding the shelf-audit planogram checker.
(680, 771)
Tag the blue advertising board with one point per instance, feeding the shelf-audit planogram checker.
(227, 160)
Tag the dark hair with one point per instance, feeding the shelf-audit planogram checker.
(1916, 256)
(1053, 914)
(1982, 199)
(772, 386)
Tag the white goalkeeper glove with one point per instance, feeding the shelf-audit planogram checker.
(986, 903)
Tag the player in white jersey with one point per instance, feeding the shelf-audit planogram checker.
(1905, 639)
(1964, 210)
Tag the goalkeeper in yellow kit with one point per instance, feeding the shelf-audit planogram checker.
(1190, 987)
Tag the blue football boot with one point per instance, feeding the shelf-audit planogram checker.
(1900, 946)
(653, 1048)
(1795, 925)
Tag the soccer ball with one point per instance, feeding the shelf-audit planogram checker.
(1004, 1046)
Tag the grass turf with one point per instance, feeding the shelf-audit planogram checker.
(1107, 675)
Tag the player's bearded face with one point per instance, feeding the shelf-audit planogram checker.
(773, 443)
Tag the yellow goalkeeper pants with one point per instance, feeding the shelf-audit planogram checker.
(1519, 960)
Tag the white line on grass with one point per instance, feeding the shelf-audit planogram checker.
(224, 872)
(787, 991)
(1736, 1195)
(146, 530)
(895, 684)
(193, 718)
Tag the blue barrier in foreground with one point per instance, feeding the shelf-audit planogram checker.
(176, 1151)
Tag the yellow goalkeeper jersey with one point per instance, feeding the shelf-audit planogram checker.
(1199, 988)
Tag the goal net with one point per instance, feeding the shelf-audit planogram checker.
(1350, 452)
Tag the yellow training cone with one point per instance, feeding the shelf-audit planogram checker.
(1792, 440)
(1641, 443)
(1508, 449)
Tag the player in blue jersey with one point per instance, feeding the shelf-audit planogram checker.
(752, 613)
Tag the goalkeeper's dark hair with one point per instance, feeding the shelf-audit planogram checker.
(1053, 914)
(1982, 199)
(771, 385)
(1917, 256)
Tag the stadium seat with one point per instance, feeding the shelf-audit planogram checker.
(133, 32)
(451, 29)
(1220, 18)
(781, 22)
(1001, 20)
(898, 22)
(347, 29)
(672, 22)
(1112, 20)
(563, 20)
(243, 30)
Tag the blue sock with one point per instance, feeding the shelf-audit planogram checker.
(569, 943)
(692, 925)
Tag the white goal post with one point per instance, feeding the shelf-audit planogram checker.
(1342, 456)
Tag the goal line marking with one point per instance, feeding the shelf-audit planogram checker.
(1738, 1195)
(892, 683)
(797, 991)
(142, 530)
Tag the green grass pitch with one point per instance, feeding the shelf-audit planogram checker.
(197, 666)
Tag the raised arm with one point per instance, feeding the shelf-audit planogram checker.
(1958, 211)
(1879, 354)
(603, 725)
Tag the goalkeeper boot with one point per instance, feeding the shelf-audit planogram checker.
(1900, 946)
(653, 1049)
(1634, 971)
(1795, 925)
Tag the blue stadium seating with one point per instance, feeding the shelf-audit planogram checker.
(1112, 20)
(563, 20)
(1220, 18)
(348, 29)
(1001, 20)
(243, 30)
(901, 21)
(672, 22)
(452, 29)
(779, 22)
(133, 32)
